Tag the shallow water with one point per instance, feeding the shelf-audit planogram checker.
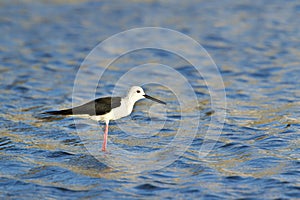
(254, 44)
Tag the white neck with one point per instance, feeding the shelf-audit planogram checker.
(129, 104)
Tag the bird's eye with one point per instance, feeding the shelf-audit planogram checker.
(138, 91)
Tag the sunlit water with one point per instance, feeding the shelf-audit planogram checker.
(254, 44)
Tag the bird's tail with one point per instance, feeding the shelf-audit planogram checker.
(59, 112)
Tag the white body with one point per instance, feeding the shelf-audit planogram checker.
(134, 94)
(116, 113)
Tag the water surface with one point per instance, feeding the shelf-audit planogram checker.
(254, 44)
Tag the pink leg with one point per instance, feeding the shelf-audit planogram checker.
(105, 138)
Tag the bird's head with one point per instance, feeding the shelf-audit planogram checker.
(137, 93)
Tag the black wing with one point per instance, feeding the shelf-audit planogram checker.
(99, 106)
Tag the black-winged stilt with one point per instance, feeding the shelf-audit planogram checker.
(108, 108)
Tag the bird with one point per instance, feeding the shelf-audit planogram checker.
(107, 108)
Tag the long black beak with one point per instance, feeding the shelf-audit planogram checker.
(153, 99)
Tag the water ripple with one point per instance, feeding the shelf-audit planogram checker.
(256, 48)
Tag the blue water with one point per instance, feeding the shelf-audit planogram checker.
(255, 45)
